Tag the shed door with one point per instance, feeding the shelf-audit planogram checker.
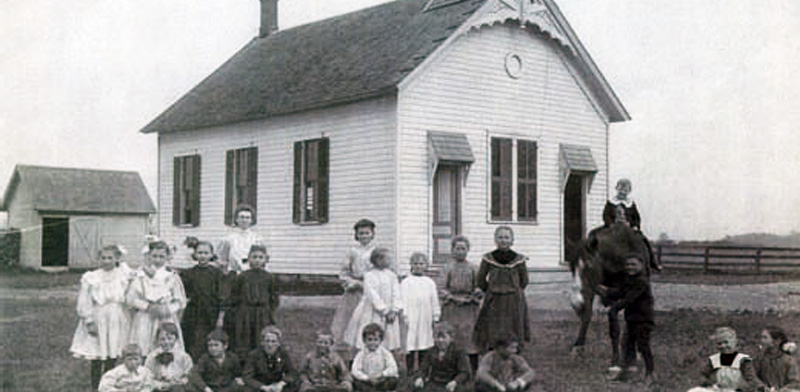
(55, 242)
(574, 212)
(85, 241)
(446, 210)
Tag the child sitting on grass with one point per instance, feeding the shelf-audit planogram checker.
(374, 367)
(445, 367)
(775, 368)
(168, 364)
(130, 376)
(503, 370)
(728, 370)
(322, 370)
(218, 370)
(268, 368)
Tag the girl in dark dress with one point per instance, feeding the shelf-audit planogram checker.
(622, 209)
(203, 286)
(502, 276)
(254, 300)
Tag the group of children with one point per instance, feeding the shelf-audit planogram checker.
(462, 335)
(772, 370)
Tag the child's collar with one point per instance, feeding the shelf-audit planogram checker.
(627, 202)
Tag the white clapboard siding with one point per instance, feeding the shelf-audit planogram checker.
(22, 216)
(361, 182)
(466, 89)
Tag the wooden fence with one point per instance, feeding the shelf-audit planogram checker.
(732, 258)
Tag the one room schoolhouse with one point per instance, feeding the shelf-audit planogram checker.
(65, 215)
(431, 117)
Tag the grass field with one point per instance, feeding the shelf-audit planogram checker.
(37, 330)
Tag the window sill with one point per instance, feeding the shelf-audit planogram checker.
(310, 223)
(186, 226)
(514, 223)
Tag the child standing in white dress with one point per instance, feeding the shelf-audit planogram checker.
(420, 309)
(102, 319)
(155, 296)
(356, 264)
(381, 303)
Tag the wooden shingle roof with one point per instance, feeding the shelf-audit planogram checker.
(80, 190)
(351, 57)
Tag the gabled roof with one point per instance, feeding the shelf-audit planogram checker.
(352, 57)
(80, 190)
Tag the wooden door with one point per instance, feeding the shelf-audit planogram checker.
(55, 242)
(446, 210)
(574, 212)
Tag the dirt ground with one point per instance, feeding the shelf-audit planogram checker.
(37, 323)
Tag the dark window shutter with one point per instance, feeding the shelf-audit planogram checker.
(195, 199)
(176, 191)
(252, 181)
(297, 206)
(501, 179)
(230, 177)
(323, 179)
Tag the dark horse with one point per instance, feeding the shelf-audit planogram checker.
(600, 260)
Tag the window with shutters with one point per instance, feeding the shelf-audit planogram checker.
(186, 191)
(513, 180)
(241, 181)
(311, 181)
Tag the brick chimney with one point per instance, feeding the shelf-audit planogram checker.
(269, 17)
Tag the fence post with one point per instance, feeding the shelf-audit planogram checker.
(660, 247)
(706, 258)
(758, 260)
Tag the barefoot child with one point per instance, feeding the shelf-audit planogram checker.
(503, 370)
(155, 296)
(356, 264)
(444, 368)
(374, 368)
(381, 304)
(203, 286)
(322, 370)
(503, 277)
(728, 370)
(168, 364)
(130, 376)
(102, 319)
(775, 368)
(420, 310)
(254, 300)
(462, 298)
(218, 370)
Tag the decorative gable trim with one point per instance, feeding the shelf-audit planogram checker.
(527, 13)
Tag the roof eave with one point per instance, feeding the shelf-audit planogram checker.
(378, 93)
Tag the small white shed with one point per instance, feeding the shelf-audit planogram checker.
(65, 215)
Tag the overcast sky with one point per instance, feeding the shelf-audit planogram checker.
(712, 86)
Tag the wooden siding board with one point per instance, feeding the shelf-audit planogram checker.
(361, 185)
(468, 91)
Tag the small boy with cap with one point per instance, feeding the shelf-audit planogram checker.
(130, 376)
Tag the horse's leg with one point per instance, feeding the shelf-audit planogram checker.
(585, 315)
(613, 333)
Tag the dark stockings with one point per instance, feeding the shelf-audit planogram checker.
(98, 368)
(637, 337)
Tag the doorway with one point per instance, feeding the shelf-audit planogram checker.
(574, 213)
(55, 242)
(446, 210)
